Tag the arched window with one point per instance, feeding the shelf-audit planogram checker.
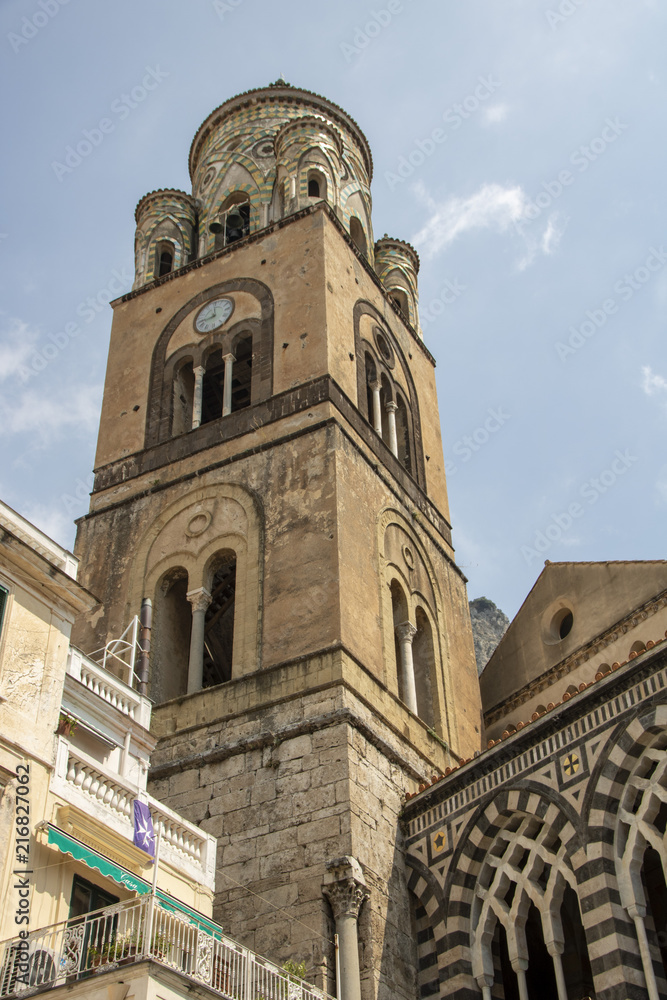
(371, 376)
(242, 374)
(400, 298)
(170, 643)
(399, 607)
(184, 389)
(423, 655)
(385, 397)
(219, 623)
(164, 259)
(317, 185)
(213, 387)
(358, 235)
(234, 220)
(403, 434)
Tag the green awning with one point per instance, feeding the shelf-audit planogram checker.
(81, 852)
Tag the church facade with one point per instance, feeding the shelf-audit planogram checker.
(270, 476)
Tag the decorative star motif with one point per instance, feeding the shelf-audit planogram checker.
(439, 842)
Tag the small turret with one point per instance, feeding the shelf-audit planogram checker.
(397, 266)
(166, 236)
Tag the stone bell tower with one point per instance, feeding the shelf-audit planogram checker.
(269, 472)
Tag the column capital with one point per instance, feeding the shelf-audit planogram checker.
(346, 897)
(391, 406)
(199, 599)
(229, 357)
(636, 911)
(405, 632)
(345, 887)
(375, 385)
(199, 371)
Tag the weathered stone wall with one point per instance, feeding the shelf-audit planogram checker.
(311, 776)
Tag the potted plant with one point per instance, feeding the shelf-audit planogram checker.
(66, 724)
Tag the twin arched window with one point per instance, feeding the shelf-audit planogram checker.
(226, 386)
(179, 665)
(387, 411)
(414, 655)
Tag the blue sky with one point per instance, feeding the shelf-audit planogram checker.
(519, 144)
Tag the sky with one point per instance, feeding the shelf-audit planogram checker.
(518, 144)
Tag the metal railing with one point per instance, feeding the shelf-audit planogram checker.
(144, 928)
(121, 653)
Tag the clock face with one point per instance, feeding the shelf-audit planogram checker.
(213, 315)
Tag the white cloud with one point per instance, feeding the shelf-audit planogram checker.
(45, 417)
(491, 207)
(495, 113)
(546, 243)
(652, 383)
(16, 347)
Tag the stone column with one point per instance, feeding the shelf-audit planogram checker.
(229, 360)
(555, 949)
(520, 966)
(377, 411)
(405, 634)
(345, 888)
(200, 600)
(391, 408)
(638, 913)
(485, 984)
(197, 398)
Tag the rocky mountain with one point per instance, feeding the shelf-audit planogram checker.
(489, 625)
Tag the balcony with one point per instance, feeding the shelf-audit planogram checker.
(100, 793)
(105, 685)
(143, 929)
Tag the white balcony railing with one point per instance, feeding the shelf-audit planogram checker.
(108, 687)
(94, 788)
(143, 928)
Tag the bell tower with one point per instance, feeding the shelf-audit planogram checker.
(269, 472)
